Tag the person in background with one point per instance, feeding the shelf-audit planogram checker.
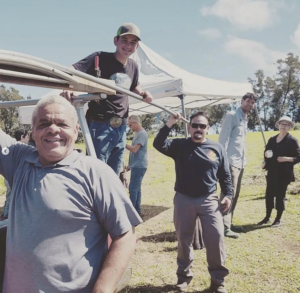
(281, 154)
(199, 164)
(233, 138)
(108, 118)
(22, 136)
(138, 161)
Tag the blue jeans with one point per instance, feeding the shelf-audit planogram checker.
(136, 178)
(109, 143)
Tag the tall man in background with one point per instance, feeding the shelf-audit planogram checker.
(108, 118)
(138, 161)
(233, 138)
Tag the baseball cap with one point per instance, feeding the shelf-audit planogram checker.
(129, 28)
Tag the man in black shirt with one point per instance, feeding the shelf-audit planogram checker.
(199, 164)
(107, 118)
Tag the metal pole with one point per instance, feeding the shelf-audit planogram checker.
(181, 97)
(86, 132)
(260, 125)
(78, 102)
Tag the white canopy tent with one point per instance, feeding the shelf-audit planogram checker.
(171, 87)
(167, 82)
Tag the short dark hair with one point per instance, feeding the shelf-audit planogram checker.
(200, 113)
(19, 133)
(250, 96)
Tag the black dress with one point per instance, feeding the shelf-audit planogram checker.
(280, 175)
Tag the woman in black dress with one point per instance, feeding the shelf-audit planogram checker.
(281, 154)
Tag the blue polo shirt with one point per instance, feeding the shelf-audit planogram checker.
(59, 219)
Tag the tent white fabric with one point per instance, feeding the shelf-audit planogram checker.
(167, 82)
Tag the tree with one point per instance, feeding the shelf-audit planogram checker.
(263, 100)
(147, 121)
(216, 114)
(278, 95)
(9, 116)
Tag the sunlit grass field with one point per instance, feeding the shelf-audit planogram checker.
(262, 260)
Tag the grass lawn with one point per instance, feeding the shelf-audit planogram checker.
(262, 260)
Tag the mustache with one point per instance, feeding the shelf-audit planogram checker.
(198, 132)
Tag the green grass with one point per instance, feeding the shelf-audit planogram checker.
(262, 260)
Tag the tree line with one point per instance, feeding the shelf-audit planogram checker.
(277, 96)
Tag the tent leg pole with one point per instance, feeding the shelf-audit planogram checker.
(181, 97)
(260, 125)
(85, 130)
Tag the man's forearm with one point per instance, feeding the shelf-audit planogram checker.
(133, 148)
(116, 262)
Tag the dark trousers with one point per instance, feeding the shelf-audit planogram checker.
(276, 190)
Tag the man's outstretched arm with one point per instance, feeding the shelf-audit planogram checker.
(117, 260)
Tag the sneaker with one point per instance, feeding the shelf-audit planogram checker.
(237, 229)
(217, 288)
(276, 224)
(264, 221)
(182, 287)
(230, 234)
(183, 283)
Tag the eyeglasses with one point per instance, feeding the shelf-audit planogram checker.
(196, 125)
(284, 124)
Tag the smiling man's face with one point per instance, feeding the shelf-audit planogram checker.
(126, 46)
(55, 133)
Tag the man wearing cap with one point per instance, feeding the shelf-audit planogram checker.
(233, 138)
(108, 118)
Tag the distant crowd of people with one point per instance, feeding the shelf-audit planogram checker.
(64, 206)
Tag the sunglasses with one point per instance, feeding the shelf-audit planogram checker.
(196, 125)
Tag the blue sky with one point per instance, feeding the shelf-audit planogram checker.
(221, 39)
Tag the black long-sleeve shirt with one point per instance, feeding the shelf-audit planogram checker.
(287, 147)
(198, 166)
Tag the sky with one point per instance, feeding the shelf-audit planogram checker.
(221, 39)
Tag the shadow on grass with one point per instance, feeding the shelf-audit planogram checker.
(257, 198)
(252, 227)
(158, 289)
(162, 237)
(149, 211)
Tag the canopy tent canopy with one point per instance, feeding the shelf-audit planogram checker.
(167, 82)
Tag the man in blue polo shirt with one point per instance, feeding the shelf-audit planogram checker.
(63, 207)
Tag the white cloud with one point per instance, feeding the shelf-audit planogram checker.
(295, 37)
(255, 53)
(245, 14)
(211, 33)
